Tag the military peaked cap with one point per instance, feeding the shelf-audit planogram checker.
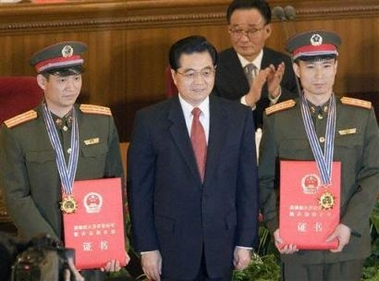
(314, 43)
(63, 58)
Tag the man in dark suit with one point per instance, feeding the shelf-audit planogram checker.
(322, 127)
(193, 219)
(273, 79)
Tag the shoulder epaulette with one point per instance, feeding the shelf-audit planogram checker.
(95, 109)
(356, 102)
(280, 106)
(21, 118)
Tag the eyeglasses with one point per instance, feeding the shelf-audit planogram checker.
(236, 33)
(191, 75)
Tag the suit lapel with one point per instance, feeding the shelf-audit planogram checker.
(218, 129)
(178, 131)
(233, 69)
(266, 60)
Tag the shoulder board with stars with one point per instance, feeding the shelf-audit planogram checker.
(95, 109)
(21, 118)
(356, 102)
(280, 106)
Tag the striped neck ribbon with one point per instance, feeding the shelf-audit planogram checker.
(323, 159)
(66, 172)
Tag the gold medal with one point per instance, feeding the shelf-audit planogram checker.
(68, 205)
(326, 201)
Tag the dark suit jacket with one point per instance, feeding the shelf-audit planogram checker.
(284, 137)
(231, 82)
(171, 210)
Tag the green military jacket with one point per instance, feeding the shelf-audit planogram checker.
(356, 147)
(28, 170)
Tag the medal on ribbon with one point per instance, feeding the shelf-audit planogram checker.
(326, 200)
(323, 159)
(66, 172)
(68, 204)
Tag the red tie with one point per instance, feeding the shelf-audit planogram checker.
(199, 143)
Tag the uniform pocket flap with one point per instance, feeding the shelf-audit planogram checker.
(94, 150)
(40, 156)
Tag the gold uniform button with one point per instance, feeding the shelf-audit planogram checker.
(322, 139)
(69, 151)
(320, 116)
(65, 128)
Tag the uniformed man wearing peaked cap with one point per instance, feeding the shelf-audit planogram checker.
(58, 135)
(323, 127)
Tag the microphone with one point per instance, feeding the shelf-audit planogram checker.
(287, 15)
(279, 13)
(290, 14)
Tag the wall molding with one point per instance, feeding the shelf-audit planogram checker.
(157, 13)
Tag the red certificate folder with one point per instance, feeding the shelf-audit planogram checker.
(96, 229)
(309, 211)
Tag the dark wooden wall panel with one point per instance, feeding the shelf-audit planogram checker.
(129, 41)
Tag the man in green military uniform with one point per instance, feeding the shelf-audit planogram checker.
(44, 150)
(322, 127)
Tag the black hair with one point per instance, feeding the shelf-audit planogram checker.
(190, 45)
(261, 5)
